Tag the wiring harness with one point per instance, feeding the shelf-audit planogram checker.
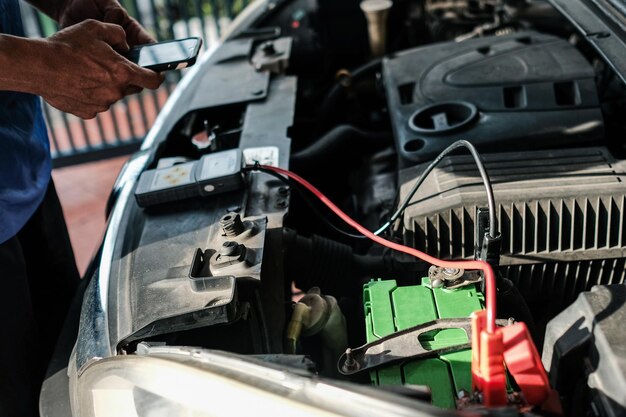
(483, 175)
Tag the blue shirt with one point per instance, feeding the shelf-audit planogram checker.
(25, 162)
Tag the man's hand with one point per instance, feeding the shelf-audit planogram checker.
(79, 71)
(109, 11)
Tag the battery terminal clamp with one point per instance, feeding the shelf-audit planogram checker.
(400, 346)
(511, 346)
(404, 345)
(452, 278)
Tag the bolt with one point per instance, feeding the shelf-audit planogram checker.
(268, 48)
(229, 248)
(450, 271)
(436, 283)
(231, 224)
(350, 364)
(281, 203)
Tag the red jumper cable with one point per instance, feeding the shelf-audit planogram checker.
(492, 347)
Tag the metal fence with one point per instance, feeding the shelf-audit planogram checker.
(121, 130)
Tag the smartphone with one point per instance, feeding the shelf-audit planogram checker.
(168, 55)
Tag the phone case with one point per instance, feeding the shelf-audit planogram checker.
(133, 55)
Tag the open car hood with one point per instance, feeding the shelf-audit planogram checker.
(603, 24)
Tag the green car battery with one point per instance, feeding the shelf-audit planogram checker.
(390, 308)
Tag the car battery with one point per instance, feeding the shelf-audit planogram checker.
(390, 308)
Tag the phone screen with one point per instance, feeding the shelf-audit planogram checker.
(166, 52)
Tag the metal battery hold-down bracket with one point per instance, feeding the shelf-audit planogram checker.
(401, 346)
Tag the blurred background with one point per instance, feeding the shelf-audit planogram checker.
(88, 154)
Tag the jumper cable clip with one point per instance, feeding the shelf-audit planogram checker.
(511, 346)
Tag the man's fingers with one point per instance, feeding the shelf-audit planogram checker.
(78, 109)
(135, 33)
(112, 34)
(92, 75)
(144, 78)
(115, 14)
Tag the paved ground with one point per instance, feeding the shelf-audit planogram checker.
(83, 190)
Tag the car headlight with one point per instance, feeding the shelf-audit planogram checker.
(144, 386)
(168, 382)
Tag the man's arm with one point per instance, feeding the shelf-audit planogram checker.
(77, 70)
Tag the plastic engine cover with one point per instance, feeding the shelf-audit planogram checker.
(526, 90)
(390, 308)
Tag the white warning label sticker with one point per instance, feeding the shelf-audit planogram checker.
(264, 155)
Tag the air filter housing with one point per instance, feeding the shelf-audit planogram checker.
(561, 215)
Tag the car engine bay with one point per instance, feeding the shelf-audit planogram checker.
(214, 251)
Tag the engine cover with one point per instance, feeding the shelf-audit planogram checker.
(524, 91)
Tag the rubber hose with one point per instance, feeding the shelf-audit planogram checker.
(338, 139)
(338, 91)
(334, 268)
